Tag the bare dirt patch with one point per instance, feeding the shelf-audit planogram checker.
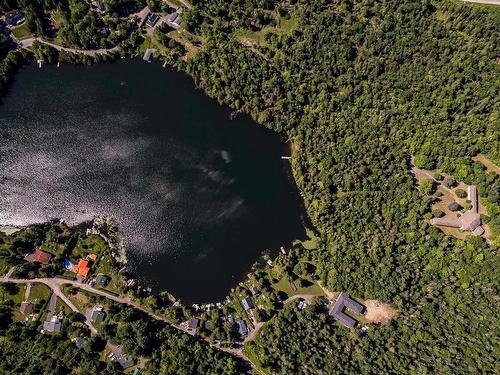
(378, 312)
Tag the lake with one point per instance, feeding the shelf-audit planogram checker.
(197, 196)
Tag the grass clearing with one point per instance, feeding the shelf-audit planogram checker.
(22, 31)
(285, 286)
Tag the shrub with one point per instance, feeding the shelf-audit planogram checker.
(438, 176)
(454, 206)
(427, 187)
(437, 213)
(449, 182)
(461, 193)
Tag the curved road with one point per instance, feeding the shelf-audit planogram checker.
(56, 283)
(26, 43)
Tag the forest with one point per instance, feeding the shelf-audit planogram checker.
(363, 89)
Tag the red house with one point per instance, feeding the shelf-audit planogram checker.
(41, 256)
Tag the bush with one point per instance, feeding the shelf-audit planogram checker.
(438, 193)
(454, 206)
(449, 182)
(438, 176)
(437, 213)
(461, 193)
(427, 187)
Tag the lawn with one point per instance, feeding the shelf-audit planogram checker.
(22, 32)
(93, 244)
(284, 286)
(105, 267)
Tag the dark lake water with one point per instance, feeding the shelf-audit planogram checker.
(197, 196)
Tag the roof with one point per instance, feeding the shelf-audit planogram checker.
(254, 291)
(342, 302)
(82, 268)
(41, 256)
(26, 307)
(478, 231)
(152, 19)
(53, 325)
(472, 196)
(102, 280)
(192, 323)
(247, 303)
(79, 342)
(470, 220)
(97, 314)
(242, 327)
(92, 257)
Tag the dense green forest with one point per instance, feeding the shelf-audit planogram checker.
(362, 89)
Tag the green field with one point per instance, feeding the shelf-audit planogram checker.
(22, 32)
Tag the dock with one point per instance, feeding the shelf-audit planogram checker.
(148, 55)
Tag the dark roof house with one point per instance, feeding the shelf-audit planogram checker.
(152, 20)
(242, 327)
(254, 291)
(121, 358)
(102, 280)
(343, 302)
(247, 303)
(97, 314)
(192, 325)
(14, 18)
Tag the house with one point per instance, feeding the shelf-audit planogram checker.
(209, 326)
(254, 291)
(26, 307)
(338, 310)
(120, 357)
(102, 280)
(97, 314)
(39, 256)
(242, 327)
(152, 20)
(14, 18)
(82, 268)
(177, 21)
(247, 303)
(469, 221)
(52, 325)
(137, 372)
(92, 257)
(79, 342)
(192, 325)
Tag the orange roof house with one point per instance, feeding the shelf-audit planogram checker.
(41, 256)
(92, 257)
(82, 268)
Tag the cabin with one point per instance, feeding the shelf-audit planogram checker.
(254, 291)
(192, 325)
(242, 327)
(148, 55)
(39, 256)
(345, 302)
(52, 325)
(120, 357)
(247, 303)
(102, 280)
(14, 18)
(97, 314)
(152, 20)
(26, 307)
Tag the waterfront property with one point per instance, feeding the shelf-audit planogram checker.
(101, 280)
(247, 303)
(342, 303)
(39, 256)
(82, 268)
(14, 18)
(470, 220)
(242, 327)
(192, 325)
